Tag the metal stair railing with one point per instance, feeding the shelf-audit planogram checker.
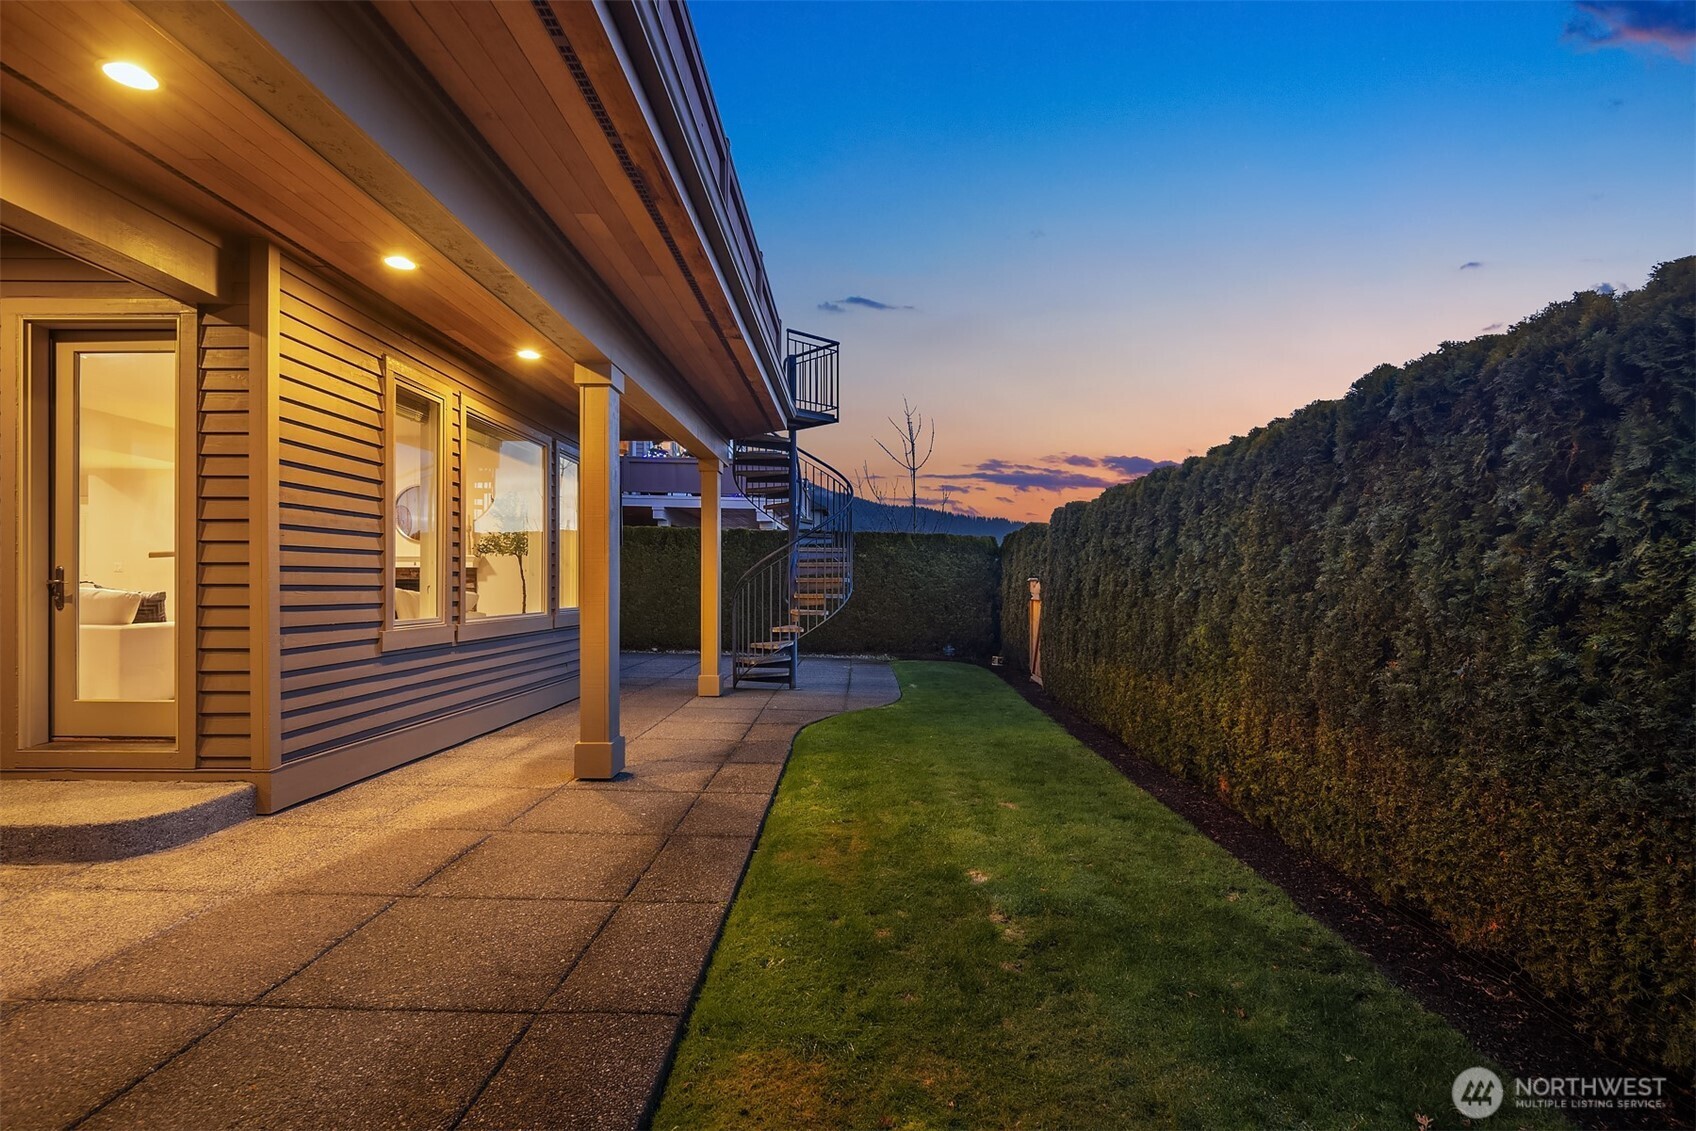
(753, 468)
(800, 585)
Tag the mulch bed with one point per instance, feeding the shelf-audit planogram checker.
(1494, 1004)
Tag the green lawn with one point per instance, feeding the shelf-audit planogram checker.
(959, 916)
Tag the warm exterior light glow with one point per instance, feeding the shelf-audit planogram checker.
(130, 75)
(400, 262)
(530, 355)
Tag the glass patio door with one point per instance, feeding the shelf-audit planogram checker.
(113, 492)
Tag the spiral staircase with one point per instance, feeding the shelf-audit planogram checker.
(803, 583)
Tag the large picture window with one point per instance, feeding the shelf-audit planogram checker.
(506, 507)
(567, 565)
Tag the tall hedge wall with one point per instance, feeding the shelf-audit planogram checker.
(914, 594)
(1439, 631)
(1024, 555)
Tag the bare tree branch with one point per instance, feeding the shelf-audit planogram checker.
(909, 435)
(876, 489)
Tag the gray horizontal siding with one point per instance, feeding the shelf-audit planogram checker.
(339, 688)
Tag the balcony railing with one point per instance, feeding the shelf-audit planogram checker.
(811, 369)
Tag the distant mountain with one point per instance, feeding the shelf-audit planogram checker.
(876, 517)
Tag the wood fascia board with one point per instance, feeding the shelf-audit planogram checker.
(632, 82)
(46, 198)
(626, 30)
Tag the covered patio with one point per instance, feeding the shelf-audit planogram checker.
(472, 939)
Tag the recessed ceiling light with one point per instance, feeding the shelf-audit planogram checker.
(530, 355)
(400, 262)
(130, 75)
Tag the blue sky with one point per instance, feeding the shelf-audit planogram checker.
(1109, 230)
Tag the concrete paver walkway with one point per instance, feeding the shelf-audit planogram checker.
(469, 940)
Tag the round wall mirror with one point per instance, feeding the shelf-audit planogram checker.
(409, 519)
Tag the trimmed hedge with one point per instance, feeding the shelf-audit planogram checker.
(914, 594)
(1024, 555)
(659, 580)
(1439, 632)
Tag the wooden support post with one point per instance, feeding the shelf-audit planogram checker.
(599, 752)
(712, 612)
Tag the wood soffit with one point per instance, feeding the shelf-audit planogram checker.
(230, 164)
(546, 87)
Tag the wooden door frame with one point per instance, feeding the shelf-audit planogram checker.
(70, 713)
(26, 326)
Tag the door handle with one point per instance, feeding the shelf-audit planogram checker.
(56, 588)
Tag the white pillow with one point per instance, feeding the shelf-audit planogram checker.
(106, 606)
(407, 602)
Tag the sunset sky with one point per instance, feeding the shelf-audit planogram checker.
(1087, 236)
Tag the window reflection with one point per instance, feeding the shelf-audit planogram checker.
(416, 472)
(567, 532)
(506, 500)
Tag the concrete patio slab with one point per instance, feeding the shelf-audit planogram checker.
(675, 775)
(467, 940)
(55, 931)
(696, 868)
(500, 954)
(646, 960)
(229, 956)
(645, 812)
(767, 750)
(67, 1058)
(647, 750)
(746, 777)
(384, 863)
(311, 1069)
(578, 1070)
(244, 858)
(16, 879)
(466, 807)
(527, 865)
(725, 814)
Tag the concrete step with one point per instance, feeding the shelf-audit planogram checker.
(77, 821)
